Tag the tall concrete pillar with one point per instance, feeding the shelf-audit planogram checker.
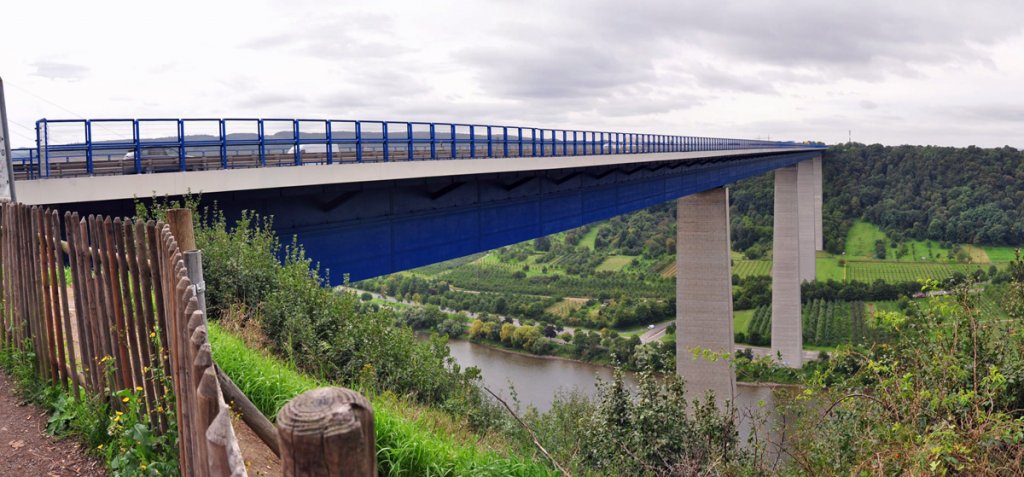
(805, 210)
(819, 238)
(704, 294)
(787, 332)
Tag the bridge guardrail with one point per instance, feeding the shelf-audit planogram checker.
(86, 147)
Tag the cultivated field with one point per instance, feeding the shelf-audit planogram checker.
(869, 271)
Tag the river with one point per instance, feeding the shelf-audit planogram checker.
(537, 380)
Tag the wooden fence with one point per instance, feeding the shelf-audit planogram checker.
(116, 311)
(131, 319)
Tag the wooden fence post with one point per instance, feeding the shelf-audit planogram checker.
(180, 222)
(327, 432)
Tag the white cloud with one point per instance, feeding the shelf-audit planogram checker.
(919, 72)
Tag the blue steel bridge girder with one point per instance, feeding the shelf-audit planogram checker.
(372, 229)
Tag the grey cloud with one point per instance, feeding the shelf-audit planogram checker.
(539, 71)
(988, 113)
(716, 79)
(59, 70)
(810, 32)
(612, 44)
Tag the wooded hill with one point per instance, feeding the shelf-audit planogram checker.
(958, 195)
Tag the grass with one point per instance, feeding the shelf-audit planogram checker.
(869, 271)
(529, 266)
(412, 440)
(615, 263)
(750, 268)
(999, 254)
(827, 268)
(860, 242)
(741, 320)
(590, 237)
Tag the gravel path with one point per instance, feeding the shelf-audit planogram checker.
(26, 450)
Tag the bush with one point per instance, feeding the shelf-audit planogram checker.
(942, 397)
(328, 334)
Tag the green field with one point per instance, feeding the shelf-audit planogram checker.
(741, 319)
(566, 306)
(751, 268)
(589, 238)
(1000, 254)
(866, 270)
(827, 268)
(869, 271)
(860, 242)
(530, 266)
(614, 263)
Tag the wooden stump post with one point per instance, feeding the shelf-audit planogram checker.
(180, 222)
(327, 432)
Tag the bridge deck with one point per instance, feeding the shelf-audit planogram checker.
(117, 185)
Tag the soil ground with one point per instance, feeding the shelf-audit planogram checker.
(260, 461)
(26, 450)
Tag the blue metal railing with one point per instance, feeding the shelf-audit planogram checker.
(25, 162)
(77, 147)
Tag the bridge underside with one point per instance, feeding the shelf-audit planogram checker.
(368, 229)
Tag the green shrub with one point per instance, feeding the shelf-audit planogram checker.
(328, 334)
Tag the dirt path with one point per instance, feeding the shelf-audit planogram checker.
(26, 450)
(260, 461)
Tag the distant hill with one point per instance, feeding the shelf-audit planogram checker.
(960, 195)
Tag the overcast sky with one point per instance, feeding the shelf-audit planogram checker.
(894, 72)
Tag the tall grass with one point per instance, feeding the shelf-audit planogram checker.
(406, 446)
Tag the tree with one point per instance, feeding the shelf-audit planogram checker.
(542, 244)
(476, 330)
(507, 330)
(549, 331)
(452, 327)
(880, 249)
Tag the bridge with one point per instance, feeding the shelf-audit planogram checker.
(368, 198)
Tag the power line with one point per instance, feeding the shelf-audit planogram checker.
(47, 101)
(19, 133)
(79, 116)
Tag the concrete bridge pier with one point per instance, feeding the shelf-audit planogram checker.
(704, 295)
(807, 230)
(819, 238)
(787, 332)
(797, 235)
